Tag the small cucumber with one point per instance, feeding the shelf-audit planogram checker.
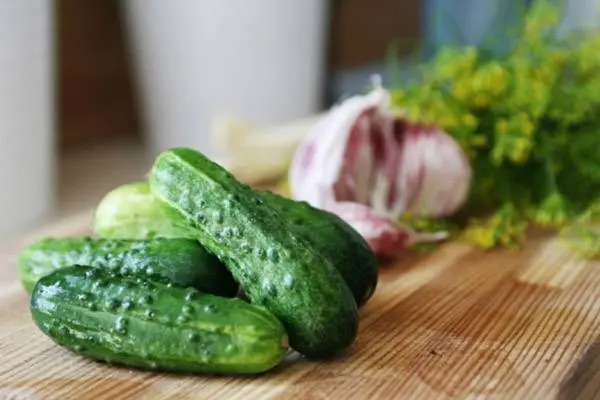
(131, 212)
(275, 265)
(183, 261)
(152, 324)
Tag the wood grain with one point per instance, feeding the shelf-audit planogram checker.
(455, 324)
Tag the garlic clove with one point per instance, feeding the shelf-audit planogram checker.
(385, 237)
(319, 159)
(434, 175)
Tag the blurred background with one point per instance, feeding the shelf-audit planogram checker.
(92, 90)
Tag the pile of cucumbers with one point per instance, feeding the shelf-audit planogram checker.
(194, 271)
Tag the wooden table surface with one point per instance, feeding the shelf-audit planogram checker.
(455, 324)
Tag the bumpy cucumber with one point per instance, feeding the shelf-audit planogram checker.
(131, 212)
(349, 252)
(338, 241)
(152, 324)
(276, 266)
(183, 261)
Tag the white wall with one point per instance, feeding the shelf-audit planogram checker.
(27, 157)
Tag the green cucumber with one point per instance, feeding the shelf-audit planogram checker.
(350, 253)
(152, 324)
(183, 261)
(275, 265)
(338, 241)
(131, 212)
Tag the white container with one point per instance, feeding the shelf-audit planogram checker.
(27, 153)
(261, 60)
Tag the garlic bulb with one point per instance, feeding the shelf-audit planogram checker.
(363, 153)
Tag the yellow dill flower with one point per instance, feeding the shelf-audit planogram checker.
(503, 228)
(479, 236)
(479, 141)
(502, 126)
(427, 117)
(460, 90)
(520, 150)
(469, 121)
(478, 82)
(552, 213)
(539, 88)
(490, 78)
(414, 112)
(469, 58)
(397, 96)
(532, 32)
(527, 127)
(450, 63)
(518, 121)
(499, 81)
(509, 226)
(448, 121)
(513, 139)
(481, 100)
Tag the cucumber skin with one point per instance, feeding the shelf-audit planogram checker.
(151, 324)
(274, 264)
(130, 211)
(331, 235)
(352, 256)
(182, 261)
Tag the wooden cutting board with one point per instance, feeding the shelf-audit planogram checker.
(456, 324)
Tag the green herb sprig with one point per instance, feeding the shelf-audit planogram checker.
(530, 123)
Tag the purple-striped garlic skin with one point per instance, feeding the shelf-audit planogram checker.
(433, 175)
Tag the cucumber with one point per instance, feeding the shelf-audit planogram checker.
(183, 261)
(152, 324)
(275, 265)
(131, 212)
(350, 253)
(338, 241)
